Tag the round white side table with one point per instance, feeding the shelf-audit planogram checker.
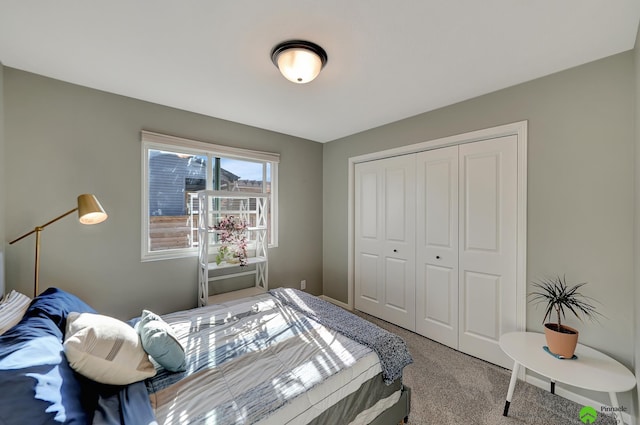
(592, 369)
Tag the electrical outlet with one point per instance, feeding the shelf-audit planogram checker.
(303, 284)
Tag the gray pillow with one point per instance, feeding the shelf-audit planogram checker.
(160, 342)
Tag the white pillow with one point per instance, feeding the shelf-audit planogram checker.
(105, 349)
(12, 308)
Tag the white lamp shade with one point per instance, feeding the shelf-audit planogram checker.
(299, 61)
(299, 65)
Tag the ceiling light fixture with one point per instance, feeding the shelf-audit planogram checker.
(299, 61)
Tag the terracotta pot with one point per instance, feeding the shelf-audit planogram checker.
(561, 343)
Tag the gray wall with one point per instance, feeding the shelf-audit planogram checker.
(2, 184)
(637, 224)
(580, 186)
(63, 140)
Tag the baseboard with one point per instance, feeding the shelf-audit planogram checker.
(577, 398)
(336, 302)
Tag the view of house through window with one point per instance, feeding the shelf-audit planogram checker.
(173, 176)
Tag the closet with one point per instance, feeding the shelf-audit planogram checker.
(435, 243)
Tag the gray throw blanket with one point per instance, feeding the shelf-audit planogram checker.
(391, 349)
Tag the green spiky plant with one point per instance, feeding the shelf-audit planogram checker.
(560, 298)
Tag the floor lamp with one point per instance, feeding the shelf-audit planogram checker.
(89, 212)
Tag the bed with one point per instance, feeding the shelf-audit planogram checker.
(283, 357)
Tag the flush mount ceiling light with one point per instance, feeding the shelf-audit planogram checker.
(299, 61)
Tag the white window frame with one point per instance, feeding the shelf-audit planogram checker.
(157, 141)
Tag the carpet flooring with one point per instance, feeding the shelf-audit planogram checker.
(452, 388)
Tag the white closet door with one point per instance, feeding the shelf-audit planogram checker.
(385, 239)
(488, 243)
(437, 245)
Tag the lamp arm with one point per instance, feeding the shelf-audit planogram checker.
(39, 228)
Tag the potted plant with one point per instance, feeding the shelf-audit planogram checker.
(560, 298)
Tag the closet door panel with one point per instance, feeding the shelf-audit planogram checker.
(439, 302)
(369, 279)
(395, 295)
(396, 223)
(482, 308)
(369, 244)
(488, 243)
(481, 204)
(385, 195)
(399, 210)
(437, 245)
(368, 205)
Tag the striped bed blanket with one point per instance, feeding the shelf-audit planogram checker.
(391, 349)
(253, 361)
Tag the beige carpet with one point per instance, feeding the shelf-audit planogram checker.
(452, 388)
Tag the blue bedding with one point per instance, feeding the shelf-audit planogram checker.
(37, 385)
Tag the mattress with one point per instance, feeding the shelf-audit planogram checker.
(260, 361)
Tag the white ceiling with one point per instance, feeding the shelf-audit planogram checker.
(388, 60)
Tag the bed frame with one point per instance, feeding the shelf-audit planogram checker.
(398, 413)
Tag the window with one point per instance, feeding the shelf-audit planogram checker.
(175, 169)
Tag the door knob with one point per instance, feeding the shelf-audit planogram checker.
(395, 250)
(437, 257)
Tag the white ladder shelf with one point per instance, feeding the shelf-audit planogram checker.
(249, 207)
